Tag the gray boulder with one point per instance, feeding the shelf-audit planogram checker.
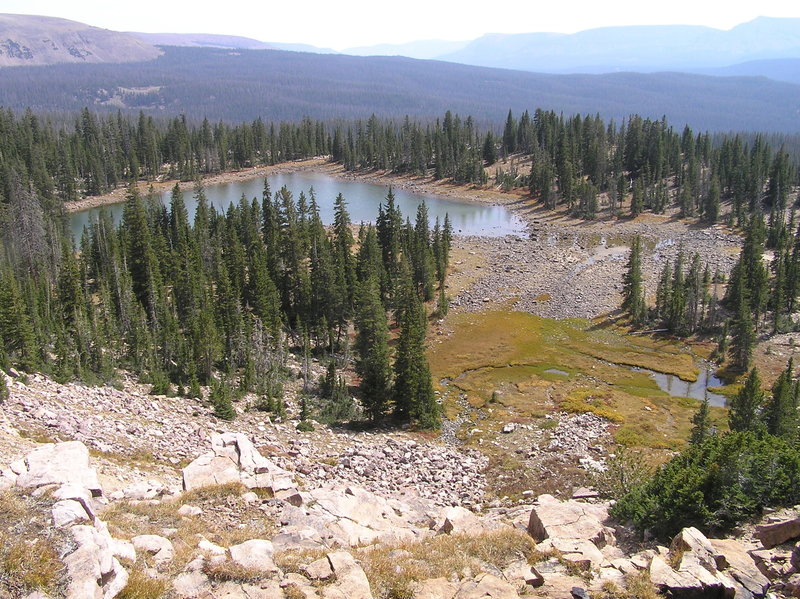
(233, 458)
(569, 520)
(778, 532)
(59, 464)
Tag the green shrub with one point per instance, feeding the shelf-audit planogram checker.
(716, 485)
(4, 393)
(221, 398)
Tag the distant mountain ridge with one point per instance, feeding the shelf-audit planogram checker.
(29, 40)
(242, 85)
(643, 49)
(422, 49)
(232, 42)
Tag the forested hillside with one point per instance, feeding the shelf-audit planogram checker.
(178, 303)
(244, 85)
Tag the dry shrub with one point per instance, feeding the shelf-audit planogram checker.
(29, 545)
(214, 493)
(637, 586)
(229, 571)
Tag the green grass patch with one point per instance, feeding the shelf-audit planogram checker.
(505, 355)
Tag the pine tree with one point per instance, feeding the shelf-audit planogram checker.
(743, 337)
(701, 424)
(16, 329)
(4, 393)
(413, 391)
(221, 400)
(745, 408)
(633, 293)
(711, 211)
(780, 413)
(372, 350)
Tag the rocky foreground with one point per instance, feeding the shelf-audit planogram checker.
(221, 512)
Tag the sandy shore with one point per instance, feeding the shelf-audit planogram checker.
(411, 183)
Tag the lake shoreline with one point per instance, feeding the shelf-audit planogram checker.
(469, 194)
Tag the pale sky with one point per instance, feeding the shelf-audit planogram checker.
(340, 24)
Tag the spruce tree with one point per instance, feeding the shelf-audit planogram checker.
(414, 399)
(4, 392)
(780, 413)
(633, 292)
(221, 400)
(745, 408)
(743, 338)
(701, 424)
(372, 350)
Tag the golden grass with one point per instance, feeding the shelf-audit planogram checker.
(392, 569)
(143, 586)
(229, 571)
(29, 545)
(511, 352)
(637, 586)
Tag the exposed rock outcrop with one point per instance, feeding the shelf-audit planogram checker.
(233, 458)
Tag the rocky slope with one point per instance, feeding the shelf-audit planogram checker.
(241, 527)
(28, 40)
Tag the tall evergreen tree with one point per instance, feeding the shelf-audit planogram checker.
(780, 413)
(633, 291)
(745, 408)
(414, 399)
(372, 350)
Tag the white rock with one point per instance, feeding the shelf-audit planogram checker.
(160, 548)
(68, 512)
(255, 554)
(59, 464)
(189, 510)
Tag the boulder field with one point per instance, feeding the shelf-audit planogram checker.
(322, 540)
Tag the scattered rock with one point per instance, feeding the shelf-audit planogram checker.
(771, 535)
(234, 459)
(189, 510)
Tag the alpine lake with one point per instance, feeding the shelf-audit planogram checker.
(363, 200)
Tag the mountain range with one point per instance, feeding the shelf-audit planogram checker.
(27, 40)
(236, 79)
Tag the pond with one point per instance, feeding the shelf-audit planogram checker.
(697, 390)
(362, 199)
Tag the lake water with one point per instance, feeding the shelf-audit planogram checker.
(697, 389)
(362, 199)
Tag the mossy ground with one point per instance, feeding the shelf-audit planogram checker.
(516, 367)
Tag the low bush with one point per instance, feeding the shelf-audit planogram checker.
(716, 485)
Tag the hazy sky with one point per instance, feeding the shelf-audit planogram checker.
(340, 24)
